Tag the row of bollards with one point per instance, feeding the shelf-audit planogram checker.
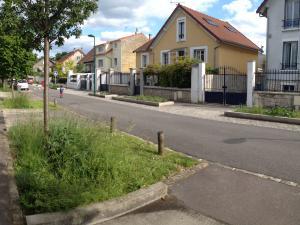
(160, 136)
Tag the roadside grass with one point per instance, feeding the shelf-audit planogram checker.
(147, 98)
(5, 89)
(22, 101)
(81, 162)
(275, 111)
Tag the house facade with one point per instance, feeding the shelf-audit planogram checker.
(72, 57)
(38, 67)
(189, 33)
(283, 33)
(116, 55)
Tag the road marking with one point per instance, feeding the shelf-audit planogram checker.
(278, 180)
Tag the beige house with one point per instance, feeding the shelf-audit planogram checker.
(38, 67)
(116, 55)
(189, 33)
(75, 56)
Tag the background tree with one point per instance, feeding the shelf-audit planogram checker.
(59, 55)
(16, 58)
(50, 22)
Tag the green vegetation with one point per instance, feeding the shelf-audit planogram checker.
(53, 86)
(275, 111)
(148, 98)
(22, 101)
(82, 162)
(5, 88)
(173, 75)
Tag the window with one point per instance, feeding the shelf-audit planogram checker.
(199, 53)
(144, 60)
(181, 53)
(165, 57)
(115, 61)
(115, 45)
(290, 55)
(292, 14)
(73, 78)
(100, 49)
(210, 22)
(231, 29)
(78, 58)
(181, 29)
(100, 63)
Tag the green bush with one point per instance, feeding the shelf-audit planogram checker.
(53, 86)
(81, 162)
(148, 98)
(174, 75)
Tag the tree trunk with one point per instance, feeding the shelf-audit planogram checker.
(46, 84)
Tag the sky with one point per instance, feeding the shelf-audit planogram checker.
(117, 18)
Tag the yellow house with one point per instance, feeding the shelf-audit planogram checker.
(72, 57)
(189, 33)
(116, 55)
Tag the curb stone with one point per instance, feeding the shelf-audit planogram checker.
(156, 104)
(100, 212)
(262, 117)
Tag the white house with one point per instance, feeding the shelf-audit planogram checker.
(283, 33)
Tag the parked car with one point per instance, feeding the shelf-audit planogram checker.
(22, 85)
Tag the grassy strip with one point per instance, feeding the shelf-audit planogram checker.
(275, 111)
(22, 101)
(155, 99)
(5, 89)
(82, 162)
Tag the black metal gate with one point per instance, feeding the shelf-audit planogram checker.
(83, 82)
(226, 85)
(137, 90)
(104, 85)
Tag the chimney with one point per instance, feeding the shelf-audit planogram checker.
(150, 36)
(136, 31)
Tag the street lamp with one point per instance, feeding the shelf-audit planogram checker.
(93, 36)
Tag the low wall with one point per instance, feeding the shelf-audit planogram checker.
(271, 99)
(173, 94)
(119, 89)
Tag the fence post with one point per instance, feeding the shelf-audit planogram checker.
(132, 81)
(110, 72)
(112, 124)
(161, 142)
(197, 83)
(251, 66)
(142, 81)
(88, 82)
(98, 79)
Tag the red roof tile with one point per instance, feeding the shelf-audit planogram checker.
(144, 47)
(70, 54)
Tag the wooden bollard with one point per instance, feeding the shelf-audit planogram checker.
(112, 124)
(161, 142)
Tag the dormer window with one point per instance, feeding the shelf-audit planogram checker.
(292, 14)
(181, 29)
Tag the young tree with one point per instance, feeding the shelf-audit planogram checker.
(50, 22)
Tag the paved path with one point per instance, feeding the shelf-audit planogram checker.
(5, 214)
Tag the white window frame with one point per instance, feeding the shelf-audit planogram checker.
(169, 57)
(192, 49)
(181, 19)
(147, 60)
(298, 53)
(287, 83)
(102, 63)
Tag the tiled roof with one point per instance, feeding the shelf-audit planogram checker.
(144, 47)
(129, 36)
(70, 54)
(221, 30)
(89, 57)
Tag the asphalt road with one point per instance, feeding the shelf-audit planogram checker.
(272, 152)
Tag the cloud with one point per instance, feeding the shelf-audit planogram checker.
(242, 15)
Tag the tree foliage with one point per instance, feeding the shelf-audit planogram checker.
(59, 55)
(16, 58)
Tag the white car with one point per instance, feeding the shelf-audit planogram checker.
(22, 85)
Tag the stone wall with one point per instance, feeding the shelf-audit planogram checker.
(271, 99)
(119, 89)
(173, 94)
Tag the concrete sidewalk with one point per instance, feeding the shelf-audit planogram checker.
(164, 212)
(5, 213)
(239, 198)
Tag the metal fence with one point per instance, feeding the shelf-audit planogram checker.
(151, 80)
(119, 78)
(278, 81)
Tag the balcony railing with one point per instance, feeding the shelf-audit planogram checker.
(288, 23)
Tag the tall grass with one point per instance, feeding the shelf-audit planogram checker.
(274, 111)
(82, 162)
(20, 101)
